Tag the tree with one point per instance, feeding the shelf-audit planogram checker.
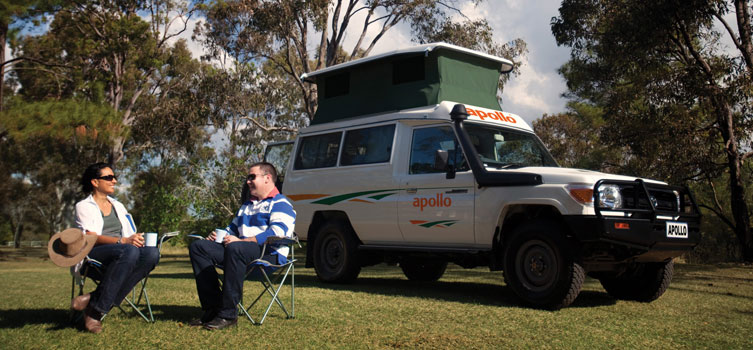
(47, 146)
(574, 138)
(669, 90)
(105, 51)
(11, 10)
(284, 33)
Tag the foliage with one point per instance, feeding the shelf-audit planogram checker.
(46, 147)
(252, 31)
(105, 52)
(574, 138)
(674, 100)
(158, 201)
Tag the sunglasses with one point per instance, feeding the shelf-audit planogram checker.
(108, 177)
(252, 177)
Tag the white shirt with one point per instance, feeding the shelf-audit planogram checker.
(89, 217)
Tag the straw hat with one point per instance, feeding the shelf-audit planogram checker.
(70, 246)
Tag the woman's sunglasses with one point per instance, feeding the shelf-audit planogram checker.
(108, 177)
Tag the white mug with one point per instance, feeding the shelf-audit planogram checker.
(151, 239)
(219, 235)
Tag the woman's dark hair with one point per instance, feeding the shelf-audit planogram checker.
(92, 172)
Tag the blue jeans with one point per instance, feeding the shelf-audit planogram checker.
(124, 266)
(234, 259)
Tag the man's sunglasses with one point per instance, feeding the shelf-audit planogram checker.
(252, 177)
(108, 177)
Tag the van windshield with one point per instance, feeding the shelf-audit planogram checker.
(505, 149)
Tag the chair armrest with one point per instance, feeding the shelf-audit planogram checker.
(282, 240)
(194, 236)
(167, 236)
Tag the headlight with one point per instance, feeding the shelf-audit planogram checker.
(610, 197)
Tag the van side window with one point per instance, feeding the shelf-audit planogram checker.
(318, 151)
(368, 146)
(426, 142)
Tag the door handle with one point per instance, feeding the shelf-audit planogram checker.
(458, 190)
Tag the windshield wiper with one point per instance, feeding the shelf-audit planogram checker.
(511, 166)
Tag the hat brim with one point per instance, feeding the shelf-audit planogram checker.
(67, 261)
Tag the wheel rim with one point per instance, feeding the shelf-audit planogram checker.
(332, 252)
(536, 265)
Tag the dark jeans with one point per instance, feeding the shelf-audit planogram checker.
(124, 266)
(234, 259)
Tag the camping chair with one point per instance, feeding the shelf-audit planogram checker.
(94, 270)
(271, 276)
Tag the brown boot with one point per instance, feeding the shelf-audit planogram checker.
(80, 302)
(92, 323)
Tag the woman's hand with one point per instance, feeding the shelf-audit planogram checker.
(136, 240)
(212, 235)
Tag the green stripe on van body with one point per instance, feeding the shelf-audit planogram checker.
(343, 197)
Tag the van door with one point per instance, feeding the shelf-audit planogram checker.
(432, 208)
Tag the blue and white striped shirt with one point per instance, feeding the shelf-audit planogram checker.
(271, 216)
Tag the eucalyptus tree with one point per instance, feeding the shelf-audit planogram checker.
(673, 93)
(297, 37)
(110, 52)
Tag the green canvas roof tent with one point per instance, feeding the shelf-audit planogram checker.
(418, 76)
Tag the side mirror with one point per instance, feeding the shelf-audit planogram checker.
(441, 158)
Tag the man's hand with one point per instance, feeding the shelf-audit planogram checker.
(212, 236)
(230, 239)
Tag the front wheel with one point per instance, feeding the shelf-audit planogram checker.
(644, 282)
(539, 267)
(335, 251)
(423, 270)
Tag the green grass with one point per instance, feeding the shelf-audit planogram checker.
(705, 307)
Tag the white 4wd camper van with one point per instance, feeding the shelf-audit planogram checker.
(409, 160)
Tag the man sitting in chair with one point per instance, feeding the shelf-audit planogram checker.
(267, 213)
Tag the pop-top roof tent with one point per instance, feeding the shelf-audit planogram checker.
(418, 76)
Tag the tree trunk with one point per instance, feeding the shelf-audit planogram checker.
(3, 37)
(737, 190)
(17, 234)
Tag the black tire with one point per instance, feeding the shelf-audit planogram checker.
(644, 282)
(420, 270)
(335, 253)
(540, 268)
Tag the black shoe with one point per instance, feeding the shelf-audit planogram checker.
(220, 323)
(205, 318)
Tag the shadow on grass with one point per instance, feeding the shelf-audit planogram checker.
(18, 318)
(455, 291)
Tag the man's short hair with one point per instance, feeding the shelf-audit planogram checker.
(267, 168)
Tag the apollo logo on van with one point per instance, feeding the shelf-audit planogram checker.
(439, 201)
(494, 115)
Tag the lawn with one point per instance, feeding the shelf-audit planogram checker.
(705, 307)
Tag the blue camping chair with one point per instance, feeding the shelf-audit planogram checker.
(272, 278)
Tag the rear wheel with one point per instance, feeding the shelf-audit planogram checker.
(539, 267)
(644, 282)
(423, 270)
(335, 252)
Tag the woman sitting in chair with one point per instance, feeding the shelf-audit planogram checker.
(119, 248)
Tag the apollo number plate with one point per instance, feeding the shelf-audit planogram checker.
(677, 229)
